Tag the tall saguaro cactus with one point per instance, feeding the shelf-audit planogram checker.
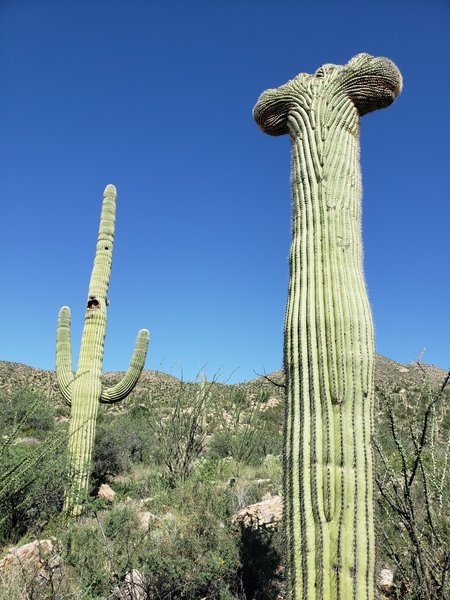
(328, 345)
(83, 391)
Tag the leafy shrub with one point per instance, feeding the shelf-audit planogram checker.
(244, 433)
(31, 476)
(27, 410)
(260, 554)
(34, 496)
(211, 468)
(273, 466)
(189, 551)
(120, 441)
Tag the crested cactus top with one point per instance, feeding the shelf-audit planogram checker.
(368, 82)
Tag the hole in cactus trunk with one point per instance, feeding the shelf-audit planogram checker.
(93, 302)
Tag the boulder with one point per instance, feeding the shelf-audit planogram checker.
(267, 513)
(145, 518)
(106, 493)
(133, 587)
(27, 441)
(37, 561)
(385, 582)
(28, 556)
(271, 403)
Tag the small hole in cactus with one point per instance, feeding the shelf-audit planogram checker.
(93, 302)
(106, 247)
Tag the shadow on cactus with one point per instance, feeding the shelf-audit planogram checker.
(83, 390)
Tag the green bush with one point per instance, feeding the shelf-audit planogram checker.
(120, 441)
(188, 551)
(248, 429)
(29, 411)
(31, 476)
(35, 495)
(260, 553)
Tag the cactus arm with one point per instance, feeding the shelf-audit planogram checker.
(64, 372)
(126, 384)
(328, 342)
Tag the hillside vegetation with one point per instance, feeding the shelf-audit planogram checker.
(182, 459)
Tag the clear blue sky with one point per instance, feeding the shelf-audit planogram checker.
(157, 97)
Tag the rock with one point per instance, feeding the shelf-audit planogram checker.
(145, 501)
(27, 441)
(133, 587)
(267, 513)
(168, 516)
(106, 493)
(61, 419)
(385, 581)
(271, 403)
(145, 518)
(37, 560)
(28, 555)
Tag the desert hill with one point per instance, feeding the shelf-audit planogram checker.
(389, 375)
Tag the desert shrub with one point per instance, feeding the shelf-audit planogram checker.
(181, 421)
(31, 476)
(413, 447)
(86, 555)
(32, 488)
(272, 426)
(211, 468)
(120, 441)
(245, 491)
(261, 552)
(273, 466)
(189, 550)
(26, 410)
(197, 550)
(43, 580)
(244, 445)
(244, 432)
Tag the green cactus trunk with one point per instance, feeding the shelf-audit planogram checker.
(328, 348)
(83, 392)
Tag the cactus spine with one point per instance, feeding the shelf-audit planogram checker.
(328, 344)
(83, 391)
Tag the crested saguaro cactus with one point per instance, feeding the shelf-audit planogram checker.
(328, 344)
(83, 391)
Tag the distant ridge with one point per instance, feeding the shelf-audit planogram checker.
(388, 374)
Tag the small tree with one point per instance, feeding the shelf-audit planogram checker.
(181, 432)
